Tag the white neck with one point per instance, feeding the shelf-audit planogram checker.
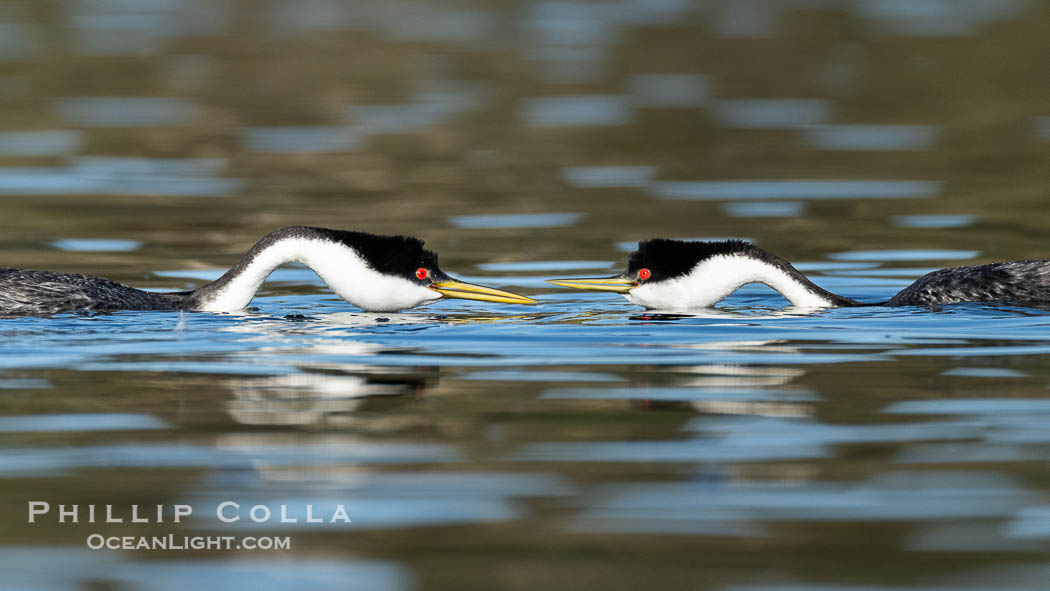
(712, 280)
(338, 265)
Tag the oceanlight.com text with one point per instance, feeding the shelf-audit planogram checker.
(179, 542)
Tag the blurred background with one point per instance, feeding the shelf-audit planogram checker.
(192, 128)
(572, 445)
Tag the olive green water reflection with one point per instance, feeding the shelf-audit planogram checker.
(581, 443)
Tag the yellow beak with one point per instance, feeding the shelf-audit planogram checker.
(468, 291)
(616, 283)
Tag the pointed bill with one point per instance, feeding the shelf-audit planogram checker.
(616, 283)
(451, 288)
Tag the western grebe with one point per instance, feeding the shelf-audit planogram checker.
(376, 273)
(679, 275)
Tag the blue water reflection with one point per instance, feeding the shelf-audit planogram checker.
(794, 189)
(665, 91)
(905, 255)
(544, 266)
(936, 19)
(96, 245)
(236, 454)
(31, 568)
(191, 177)
(79, 422)
(126, 111)
(576, 111)
(1042, 128)
(770, 113)
(608, 177)
(39, 143)
(887, 497)
(299, 139)
(752, 209)
(20, 42)
(516, 220)
(871, 137)
(934, 220)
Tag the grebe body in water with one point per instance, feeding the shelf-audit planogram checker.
(373, 272)
(681, 275)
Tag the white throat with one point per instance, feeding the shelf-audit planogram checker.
(338, 265)
(712, 280)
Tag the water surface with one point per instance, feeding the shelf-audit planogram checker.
(581, 443)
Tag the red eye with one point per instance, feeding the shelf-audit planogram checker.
(644, 274)
(422, 273)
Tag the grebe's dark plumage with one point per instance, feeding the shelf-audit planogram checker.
(1024, 283)
(676, 274)
(674, 258)
(379, 273)
(29, 292)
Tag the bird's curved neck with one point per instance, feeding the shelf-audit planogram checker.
(236, 288)
(717, 277)
(781, 276)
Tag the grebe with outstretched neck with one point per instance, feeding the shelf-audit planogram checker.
(681, 275)
(372, 272)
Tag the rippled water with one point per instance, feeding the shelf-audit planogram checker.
(581, 443)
